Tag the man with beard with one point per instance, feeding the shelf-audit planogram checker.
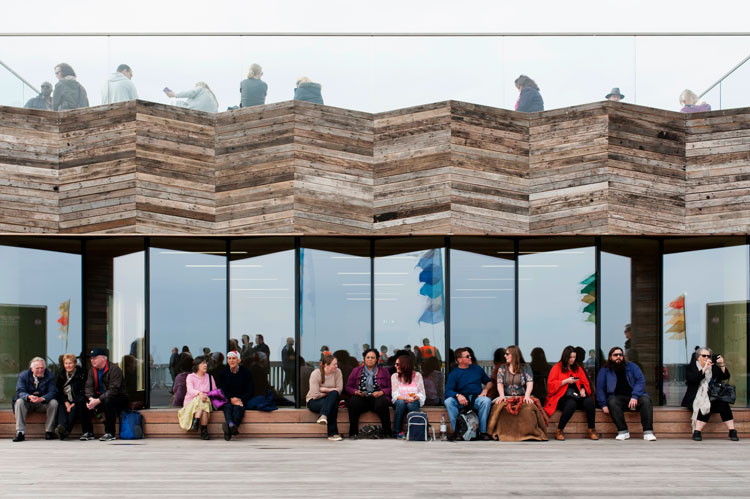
(43, 100)
(620, 386)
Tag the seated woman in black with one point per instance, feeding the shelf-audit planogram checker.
(71, 399)
(369, 387)
(699, 375)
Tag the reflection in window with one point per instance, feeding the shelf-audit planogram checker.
(262, 313)
(705, 304)
(555, 287)
(40, 309)
(188, 305)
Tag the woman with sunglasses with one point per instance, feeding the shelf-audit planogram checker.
(699, 376)
(407, 389)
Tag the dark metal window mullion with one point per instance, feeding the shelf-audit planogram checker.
(660, 328)
(372, 292)
(447, 303)
(297, 330)
(228, 276)
(147, 321)
(517, 290)
(598, 301)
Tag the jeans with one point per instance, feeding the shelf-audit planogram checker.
(568, 405)
(23, 407)
(233, 414)
(111, 408)
(327, 406)
(401, 407)
(617, 405)
(379, 405)
(67, 419)
(481, 404)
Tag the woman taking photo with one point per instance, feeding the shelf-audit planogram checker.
(516, 415)
(408, 394)
(71, 399)
(326, 384)
(369, 387)
(568, 389)
(197, 405)
(699, 376)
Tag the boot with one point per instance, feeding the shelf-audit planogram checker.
(204, 432)
(559, 434)
(733, 435)
(195, 425)
(592, 434)
(697, 436)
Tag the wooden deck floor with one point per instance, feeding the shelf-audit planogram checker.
(313, 468)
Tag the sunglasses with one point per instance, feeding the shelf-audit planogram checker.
(704, 355)
(616, 355)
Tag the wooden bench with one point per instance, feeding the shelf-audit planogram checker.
(669, 422)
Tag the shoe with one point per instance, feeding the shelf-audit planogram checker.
(733, 436)
(559, 434)
(107, 437)
(61, 432)
(322, 420)
(353, 437)
(399, 435)
(195, 425)
(87, 436)
(335, 438)
(227, 431)
(19, 437)
(204, 433)
(592, 434)
(485, 436)
(452, 437)
(697, 436)
(234, 430)
(649, 437)
(48, 435)
(623, 436)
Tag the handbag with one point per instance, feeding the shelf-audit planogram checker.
(216, 395)
(722, 392)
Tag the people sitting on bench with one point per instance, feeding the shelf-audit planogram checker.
(369, 387)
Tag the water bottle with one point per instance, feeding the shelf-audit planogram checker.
(443, 428)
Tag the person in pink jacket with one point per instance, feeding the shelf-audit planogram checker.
(197, 406)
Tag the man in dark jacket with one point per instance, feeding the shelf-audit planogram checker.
(237, 384)
(43, 100)
(105, 392)
(35, 391)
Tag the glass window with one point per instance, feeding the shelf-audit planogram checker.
(40, 305)
(630, 305)
(410, 305)
(557, 307)
(334, 302)
(705, 304)
(262, 312)
(188, 307)
(116, 307)
(482, 294)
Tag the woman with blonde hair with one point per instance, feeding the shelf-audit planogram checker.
(253, 90)
(71, 398)
(326, 385)
(200, 98)
(308, 91)
(689, 103)
(197, 405)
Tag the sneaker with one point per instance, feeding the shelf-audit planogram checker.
(400, 435)
(697, 436)
(322, 420)
(106, 437)
(48, 435)
(335, 438)
(623, 436)
(227, 432)
(87, 436)
(19, 437)
(649, 437)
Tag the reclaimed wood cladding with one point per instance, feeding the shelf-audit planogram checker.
(442, 168)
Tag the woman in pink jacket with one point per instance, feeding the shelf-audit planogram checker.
(197, 405)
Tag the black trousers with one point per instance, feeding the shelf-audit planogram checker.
(233, 413)
(327, 406)
(359, 405)
(618, 404)
(112, 407)
(717, 406)
(568, 406)
(67, 419)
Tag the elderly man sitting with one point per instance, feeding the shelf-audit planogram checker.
(35, 391)
(105, 392)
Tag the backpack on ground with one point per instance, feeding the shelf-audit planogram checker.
(467, 425)
(131, 425)
(371, 431)
(418, 427)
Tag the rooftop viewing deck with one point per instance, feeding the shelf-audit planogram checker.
(444, 168)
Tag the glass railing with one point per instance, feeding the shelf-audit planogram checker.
(376, 73)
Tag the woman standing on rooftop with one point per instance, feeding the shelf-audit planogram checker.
(529, 98)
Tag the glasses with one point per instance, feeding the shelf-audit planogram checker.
(467, 356)
(616, 355)
(705, 355)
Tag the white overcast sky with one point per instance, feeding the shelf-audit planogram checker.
(379, 74)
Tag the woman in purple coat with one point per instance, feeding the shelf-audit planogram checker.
(370, 390)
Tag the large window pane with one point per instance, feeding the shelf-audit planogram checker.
(188, 304)
(334, 302)
(705, 304)
(556, 307)
(261, 295)
(40, 306)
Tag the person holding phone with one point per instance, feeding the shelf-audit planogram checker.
(369, 387)
(568, 390)
(699, 375)
(408, 392)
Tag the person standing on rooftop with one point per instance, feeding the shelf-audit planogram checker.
(118, 87)
(614, 95)
(690, 104)
(529, 98)
(308, 91)
(43, 100)
(68, 94)
(252, 89)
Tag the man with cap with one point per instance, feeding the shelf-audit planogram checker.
(237, 384)
(614, 95)
(35, 392)
(105, 392)
(43, 100)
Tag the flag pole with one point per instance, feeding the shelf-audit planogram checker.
(684, 318)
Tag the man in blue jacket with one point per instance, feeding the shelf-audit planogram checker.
(468, 385)
(621, 386)
(35, 392)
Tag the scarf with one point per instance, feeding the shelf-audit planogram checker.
(67, 388)
(367, 382)
(701, 402)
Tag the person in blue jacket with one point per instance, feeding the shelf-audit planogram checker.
(621, 386)
(308, 91)
(529, 98)
(35, 392)
(468, 385)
